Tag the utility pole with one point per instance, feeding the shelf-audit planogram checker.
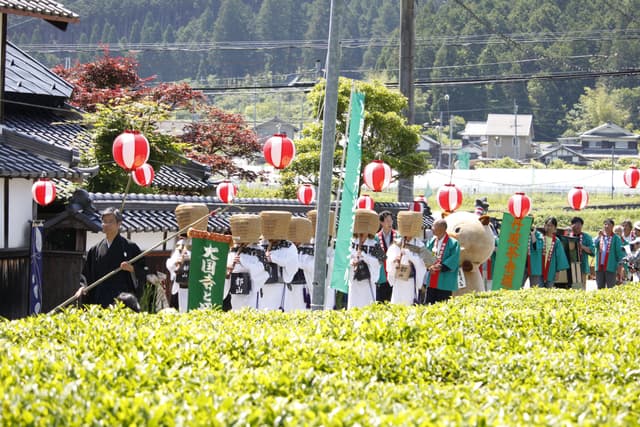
(326, 157)
(407, 43)
(516, 142)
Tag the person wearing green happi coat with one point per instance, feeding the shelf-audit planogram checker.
(533, 268)
(585, 246)
(442, 277)
(554, 258)
(608, 255)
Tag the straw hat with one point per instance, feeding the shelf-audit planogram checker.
(300, 230)
(245, 228)
(366, 222)
(409, 223)
(275, 224)
(187, 213)
(313, 215)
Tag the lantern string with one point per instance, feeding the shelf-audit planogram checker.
(124, 196)
(136, 258)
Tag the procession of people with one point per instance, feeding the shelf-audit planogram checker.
(270, 265)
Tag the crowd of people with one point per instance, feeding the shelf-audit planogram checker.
(419, 266)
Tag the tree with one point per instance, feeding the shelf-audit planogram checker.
(386, 133)
(219, 137)
(595, 107)
(108, 121)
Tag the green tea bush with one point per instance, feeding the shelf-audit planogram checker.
(529, 357)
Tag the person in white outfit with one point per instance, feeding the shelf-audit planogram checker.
(297, 295)
(178, 266)
(405, 268)
(246, 274)
(366, 258)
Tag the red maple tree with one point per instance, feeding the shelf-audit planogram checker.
(215, 140)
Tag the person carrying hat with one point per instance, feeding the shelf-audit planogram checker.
(111, 253)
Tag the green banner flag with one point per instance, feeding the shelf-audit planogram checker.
(350, 190)
(207, 269)
(463, 159)
(511, 255)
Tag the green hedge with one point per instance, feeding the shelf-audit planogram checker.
(530, 357)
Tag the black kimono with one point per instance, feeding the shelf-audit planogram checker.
(103, 259)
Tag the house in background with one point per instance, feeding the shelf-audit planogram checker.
(510, 135)
(274, 126)
(426, 144)
(608, 139)
(566, 154)
(474, 133)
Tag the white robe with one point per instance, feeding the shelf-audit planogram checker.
(274, 294)
(294, 297)
(405, 291)
(248, 264)
(329, 292)
(171, 264)
(363, 292)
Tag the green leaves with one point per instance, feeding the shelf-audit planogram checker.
(530, 357)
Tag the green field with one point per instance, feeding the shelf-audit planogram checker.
(529, 357)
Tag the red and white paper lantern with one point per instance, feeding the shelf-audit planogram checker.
(306, 194)
(226, 191)
(416, 206)
(130, 150)
(449, 197)
(377, 175)
(578, 198)
(519, 205)
(365, 202)
(143, 175)
(279, 151)
(631, 176)
(43, 192)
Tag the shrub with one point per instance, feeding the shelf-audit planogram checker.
(530, 357)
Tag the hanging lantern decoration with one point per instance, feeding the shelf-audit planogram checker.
(377, 175)
(416, 206)
(143, 175)
(449, 197)
(43, 192)
(578, 198)
(130, 150)
(519, 205)
(306, 194)
(365, 202)
(279, 151)
(631, 176)
(226, 191)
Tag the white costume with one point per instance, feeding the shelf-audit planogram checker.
(405, 291)
(363, 292)
(284, 255)
(251, 262)
(179, 255)
(329, 292)
(296, 298)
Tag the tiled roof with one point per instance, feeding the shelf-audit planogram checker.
(171, 178)
(25, 75)
(15, 163)
(46, 124)
(45, 9)
(155, 212)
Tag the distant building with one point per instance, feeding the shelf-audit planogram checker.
(474, 133)
(509, 135)
(564, 153)
(273, 126)
(431, 146)
(600, 142)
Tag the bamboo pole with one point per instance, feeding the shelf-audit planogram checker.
(134, 259)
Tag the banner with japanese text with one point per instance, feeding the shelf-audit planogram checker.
(350, 190)
(208, 269)
(511, 255)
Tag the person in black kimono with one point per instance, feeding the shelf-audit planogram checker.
(111, 253)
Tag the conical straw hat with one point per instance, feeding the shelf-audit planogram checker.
(409, 223)
(275, 224)
(366, 222)
(186, 213)
(300, 230)
(313, 215)
(245, 228)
